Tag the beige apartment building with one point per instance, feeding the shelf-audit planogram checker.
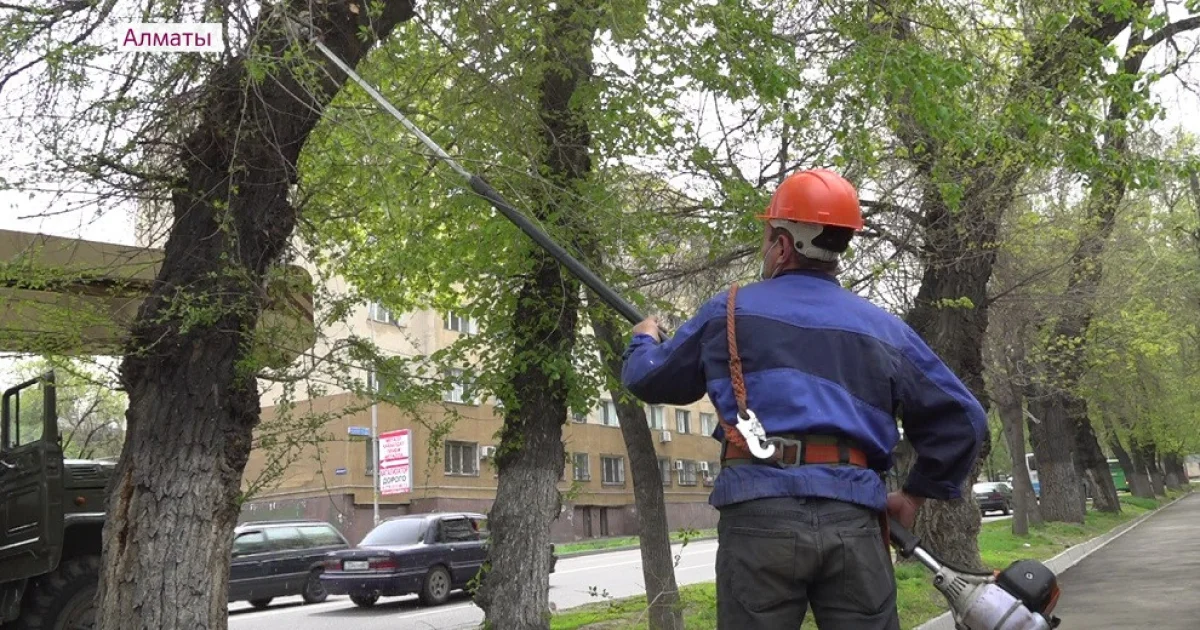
(333, 480)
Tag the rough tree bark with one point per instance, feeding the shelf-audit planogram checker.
(514, 593)
(1025, 506)
(1139, 481)
(658, 565)
(1052, 438)
(188, 369)
(959, 250)
(1148, 452)
(1170, 463)
(1137, 452)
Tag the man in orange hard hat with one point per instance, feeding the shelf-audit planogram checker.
(808, 379)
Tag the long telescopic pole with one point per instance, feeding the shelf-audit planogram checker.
(485, 190)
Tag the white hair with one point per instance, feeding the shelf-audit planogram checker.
(803, 235)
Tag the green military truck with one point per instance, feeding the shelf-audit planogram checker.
(51, 516)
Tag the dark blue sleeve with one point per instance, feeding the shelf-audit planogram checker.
(942, 419)
(670, 372)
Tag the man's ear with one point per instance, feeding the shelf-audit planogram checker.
(787, 244)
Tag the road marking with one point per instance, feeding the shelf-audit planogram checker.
(436, 611)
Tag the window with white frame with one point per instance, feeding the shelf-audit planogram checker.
(683, 421)
(582, 472)
(655, 417)
(459, 323)
(457, 392)
(687, 474)
(378, 313)
(613, 469)
(608, 414)
(664, 469)
(708, 423)
(462, 458)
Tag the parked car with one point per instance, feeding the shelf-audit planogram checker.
(427, 554)
(993, 496)
(280, 558)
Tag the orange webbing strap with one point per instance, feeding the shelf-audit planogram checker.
(732, 435)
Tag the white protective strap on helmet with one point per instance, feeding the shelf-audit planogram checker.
(803, 235)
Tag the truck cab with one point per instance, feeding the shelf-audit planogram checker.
(51, 515)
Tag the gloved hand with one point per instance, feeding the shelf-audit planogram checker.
(903, 506)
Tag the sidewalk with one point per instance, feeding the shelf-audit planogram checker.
(1147, 578)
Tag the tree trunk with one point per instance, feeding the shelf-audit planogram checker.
(956, 271)
(1181, 471)
(189, 369)
(1137, 452)
(658, 564)
(1170, 463)
(1139, 482)
(1051, 437)
(1025, 507)
(1095, 465)
(514, 593)
(1150, 456)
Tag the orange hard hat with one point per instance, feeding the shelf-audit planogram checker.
(816, 196)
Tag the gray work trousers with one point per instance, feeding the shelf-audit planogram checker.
(778, 556)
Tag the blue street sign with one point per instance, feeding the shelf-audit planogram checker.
(359, 431)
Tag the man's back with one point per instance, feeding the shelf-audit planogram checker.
(817, 360)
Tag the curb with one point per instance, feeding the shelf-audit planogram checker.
(596, 552)
(1065, 560)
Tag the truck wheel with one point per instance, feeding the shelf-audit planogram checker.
(64, 599)
(436, 589)
(365, 601)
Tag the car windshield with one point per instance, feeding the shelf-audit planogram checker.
(407, 531)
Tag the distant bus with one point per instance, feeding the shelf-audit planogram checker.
(1118, 475)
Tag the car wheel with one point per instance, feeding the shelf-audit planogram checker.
(1007, 509)
(436, 589)
(63, 599)
(261, 604)
(314, 591)
(365, 601)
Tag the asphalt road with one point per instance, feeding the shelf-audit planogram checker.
(1149, 577)
(577, 581)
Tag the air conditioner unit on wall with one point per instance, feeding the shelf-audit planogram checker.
(704, 466)
(487, 452)
(666, 436)
(679, 464)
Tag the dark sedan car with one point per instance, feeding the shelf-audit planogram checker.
(280, 558)
(427, 554)
(993, 496)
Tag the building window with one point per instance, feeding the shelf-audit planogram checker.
(459, 323)
(581, 467)
(608, 414)
(687, 474)
(708, 423)
(457, 393)
(614, 470)
(664, 469)
(683, 421)
(656, 417)
(580, 418)
(377, 313)
(462, 458)
(711, 474)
